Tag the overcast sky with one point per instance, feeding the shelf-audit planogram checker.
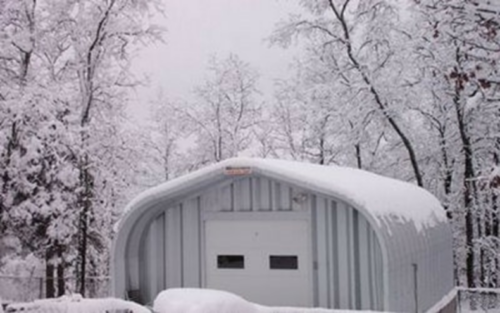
(197, 29)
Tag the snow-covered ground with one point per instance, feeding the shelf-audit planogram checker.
(76, 304)
(176, 301)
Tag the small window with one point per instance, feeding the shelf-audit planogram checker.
(283, 262)
(230, 261)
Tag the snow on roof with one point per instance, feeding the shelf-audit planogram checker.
(380, 196)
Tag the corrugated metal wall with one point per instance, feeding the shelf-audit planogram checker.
(346, 253)
(349, 258)
(431, 251)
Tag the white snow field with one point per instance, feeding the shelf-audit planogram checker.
(185, 300)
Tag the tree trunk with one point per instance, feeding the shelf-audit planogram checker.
(86, 202)
(322, 150)
(61, 283)
(50, 291)
(468, 185)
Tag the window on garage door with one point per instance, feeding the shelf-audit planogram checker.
(231, 261)
(283, 262)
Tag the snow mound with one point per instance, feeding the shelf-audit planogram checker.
(191, 300)
(76, 304)
(188, 300)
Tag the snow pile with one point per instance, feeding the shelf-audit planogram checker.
(76, 304)
(186, 300)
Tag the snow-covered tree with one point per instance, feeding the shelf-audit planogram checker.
(64, 67)
(366, 43)
(458, 53)
(225, 112)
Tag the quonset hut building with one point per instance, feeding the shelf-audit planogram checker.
(289, 234)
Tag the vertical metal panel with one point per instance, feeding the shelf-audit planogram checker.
(356, 260)
(173, 247)
(322, 242)
(211, 199)
(145, 265)
(335, 259)
(350, 262)
(133, 266)
(330, 241)
(364, 260)
(265, 194)
(255, 181)
(190, 243)
(343, 253)
(371, 275)
(379, 268)
(243, 195)
(251, 193)
(315, 261)
(285, 203)
(373, 269)
(160, 253)
(275, 195)
(151, 261)
(227, 197)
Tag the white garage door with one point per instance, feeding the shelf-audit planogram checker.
(266, 262)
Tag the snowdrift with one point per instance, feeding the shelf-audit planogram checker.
(185, 300)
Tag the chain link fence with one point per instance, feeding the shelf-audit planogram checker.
(25, 289)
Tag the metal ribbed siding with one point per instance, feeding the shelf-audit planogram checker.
(347, 257)
(431, 251)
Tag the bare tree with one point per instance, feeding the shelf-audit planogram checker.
(226, 110)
